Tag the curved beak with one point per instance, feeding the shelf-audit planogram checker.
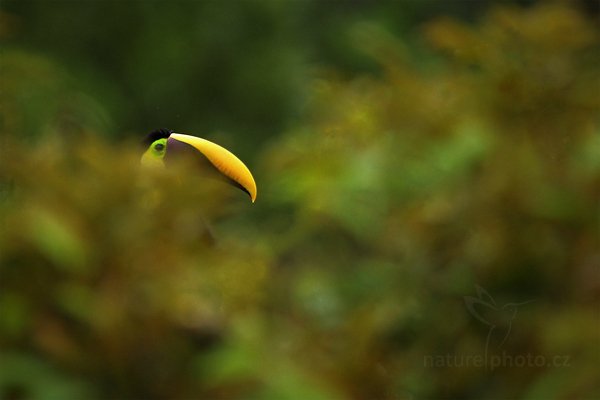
(231, 167)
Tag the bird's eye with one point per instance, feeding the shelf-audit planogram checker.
(159, 147)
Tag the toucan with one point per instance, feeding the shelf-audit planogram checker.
(164, 145)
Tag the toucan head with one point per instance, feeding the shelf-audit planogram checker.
(163, 145)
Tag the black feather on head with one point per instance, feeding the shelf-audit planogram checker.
(153, 136)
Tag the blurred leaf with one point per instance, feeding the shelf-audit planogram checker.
(58, 241)
(16, 315)
(24, 376)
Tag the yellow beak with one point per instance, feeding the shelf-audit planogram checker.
(223, 160)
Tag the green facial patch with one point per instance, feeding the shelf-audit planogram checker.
(155, 153)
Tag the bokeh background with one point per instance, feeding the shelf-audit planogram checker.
(428, 197)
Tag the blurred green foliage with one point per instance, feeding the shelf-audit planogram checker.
(448, 155)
